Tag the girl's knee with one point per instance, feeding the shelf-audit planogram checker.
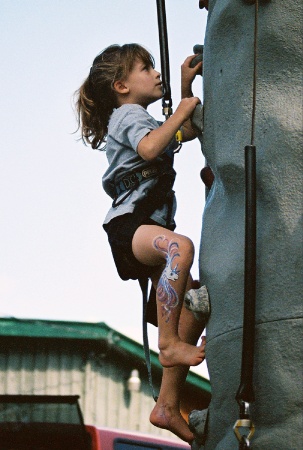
(186, 248)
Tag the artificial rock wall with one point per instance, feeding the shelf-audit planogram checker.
(228, 69)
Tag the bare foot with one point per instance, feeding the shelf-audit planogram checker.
(179, 353)
(163, 416)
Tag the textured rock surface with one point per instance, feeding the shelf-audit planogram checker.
(228, 68)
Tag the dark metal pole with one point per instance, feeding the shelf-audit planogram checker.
(164, 55)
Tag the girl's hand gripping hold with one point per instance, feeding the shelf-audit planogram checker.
(188, 75)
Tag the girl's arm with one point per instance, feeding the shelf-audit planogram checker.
(188, 75)
(156, 141)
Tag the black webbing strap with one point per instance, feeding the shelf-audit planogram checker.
(161, 194)
(165, 75)
(244, 427)
(144, 287)
(245, 394)
(246, 389)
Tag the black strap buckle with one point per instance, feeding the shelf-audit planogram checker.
(127, 194)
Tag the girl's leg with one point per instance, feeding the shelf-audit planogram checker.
(153, 245)
(166, 413)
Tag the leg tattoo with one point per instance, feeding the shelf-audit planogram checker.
(166, 293)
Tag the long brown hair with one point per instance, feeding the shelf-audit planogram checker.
(96, 99)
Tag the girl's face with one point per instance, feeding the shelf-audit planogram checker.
(144, 84)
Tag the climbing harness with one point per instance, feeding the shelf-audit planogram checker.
(245, 394)
(130, 181)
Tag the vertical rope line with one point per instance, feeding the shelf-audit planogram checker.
(253, 116)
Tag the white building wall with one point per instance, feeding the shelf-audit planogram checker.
(98, 378)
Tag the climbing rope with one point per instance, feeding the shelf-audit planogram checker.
(245, 394)
(254, 100)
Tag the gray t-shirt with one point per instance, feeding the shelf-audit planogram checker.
(127, 126)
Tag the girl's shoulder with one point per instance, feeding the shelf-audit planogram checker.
(131, 107)
(129, 114)
(125, 110)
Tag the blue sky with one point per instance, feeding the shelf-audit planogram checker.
(55, 262)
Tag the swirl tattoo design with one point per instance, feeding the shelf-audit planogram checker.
(166, 293)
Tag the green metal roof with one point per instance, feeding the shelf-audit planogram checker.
(32, 328)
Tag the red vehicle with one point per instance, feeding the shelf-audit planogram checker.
(113, 439)
(51, 422)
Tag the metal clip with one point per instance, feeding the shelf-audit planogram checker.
(167, 108)
(244, 423)
(167, 111)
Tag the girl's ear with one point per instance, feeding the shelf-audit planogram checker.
(120, 87)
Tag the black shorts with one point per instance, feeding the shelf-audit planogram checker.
(120, 232)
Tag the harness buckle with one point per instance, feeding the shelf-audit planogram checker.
(127, 194)
(179, 139)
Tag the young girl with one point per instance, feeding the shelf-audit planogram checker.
(112, 109)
